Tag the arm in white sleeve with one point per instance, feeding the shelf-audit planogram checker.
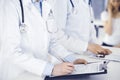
(60, 11)
(48, 69)
(58, 50)
(72, 44)
(93, 38)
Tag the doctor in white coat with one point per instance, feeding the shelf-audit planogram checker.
(27, 46)
(76, 30)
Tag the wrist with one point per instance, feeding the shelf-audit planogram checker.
(48, 70)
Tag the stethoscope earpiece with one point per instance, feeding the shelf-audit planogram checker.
(74, 11)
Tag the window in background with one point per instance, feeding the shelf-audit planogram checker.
(98, 7)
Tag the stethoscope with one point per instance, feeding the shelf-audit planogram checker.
(23, 26)
(50, 18)
(91, 14)
(75, 11)
(73, 7)
(41, 11)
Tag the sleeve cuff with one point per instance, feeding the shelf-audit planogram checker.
(104, 16)
(48, 69)
(70, 58)
(86, 46)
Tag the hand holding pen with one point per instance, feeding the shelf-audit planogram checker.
(63, 68)
(77, 61)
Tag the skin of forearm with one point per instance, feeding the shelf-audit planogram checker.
(108, 26)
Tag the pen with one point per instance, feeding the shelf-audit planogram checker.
(92, 62)
(60, 59)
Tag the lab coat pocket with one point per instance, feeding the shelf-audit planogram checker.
(51, 26)
(25, 43)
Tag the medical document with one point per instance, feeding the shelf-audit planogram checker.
(112, 57)
(115, 56)
(89, 68)
(92, 68)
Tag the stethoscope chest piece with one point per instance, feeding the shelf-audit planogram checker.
(74, 11)
(23, 27)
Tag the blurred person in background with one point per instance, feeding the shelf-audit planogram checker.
(111, 21)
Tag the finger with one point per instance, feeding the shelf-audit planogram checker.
(95, 51)
(66, 71)
(70, 68)
(83, 61)
(103, 52)
(69, 71)
(100, 52)
(70, 64)
(108, 51)
(80, 61)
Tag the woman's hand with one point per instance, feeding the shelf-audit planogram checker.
(97, 49)
(63, 69)
(110, 11)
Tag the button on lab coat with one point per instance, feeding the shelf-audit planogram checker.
(25, 51)
(75, 28)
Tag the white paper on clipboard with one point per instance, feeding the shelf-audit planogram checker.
(96, 67)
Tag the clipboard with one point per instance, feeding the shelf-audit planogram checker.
(76, 76)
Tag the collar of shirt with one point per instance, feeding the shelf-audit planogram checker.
(37, 4)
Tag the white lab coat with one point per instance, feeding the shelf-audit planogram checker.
(1, 27)
(27, 51)
(0, 33)
(75, 29)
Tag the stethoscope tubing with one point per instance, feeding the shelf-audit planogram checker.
(22, 11)
(73, 6)
(89, 3)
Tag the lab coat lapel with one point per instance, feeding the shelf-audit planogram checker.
(35, 11)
